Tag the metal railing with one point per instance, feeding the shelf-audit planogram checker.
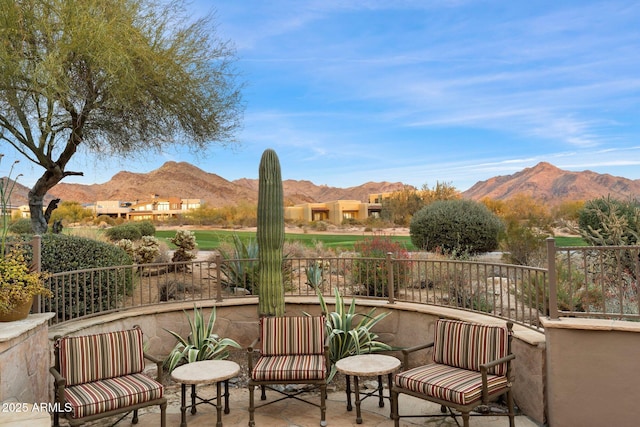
(594, 281)
(501, 290)
(580, 281)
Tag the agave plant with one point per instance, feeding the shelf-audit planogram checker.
(241, 266)
(201, 344)
(350, 332)
(241, 269)
(315, 274)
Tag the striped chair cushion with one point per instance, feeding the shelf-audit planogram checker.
(290, 368)
(292, 335)
(448, 383)
(90, 358)
(468, 345)
(109, 394)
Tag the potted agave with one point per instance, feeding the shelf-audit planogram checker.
(18, 287)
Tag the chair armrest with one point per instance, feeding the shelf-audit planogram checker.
(59, 383)
(507, 358)
(407, 351)
(327, 353)
(484, 368)
(159, 363)
(250, 350)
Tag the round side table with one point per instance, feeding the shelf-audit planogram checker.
(367, 365)
(205, 372)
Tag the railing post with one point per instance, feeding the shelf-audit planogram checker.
(36, 244)
(552, 277)
(390, 278)
(218, 277)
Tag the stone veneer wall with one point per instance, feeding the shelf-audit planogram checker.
(407, 325)
(24, 361)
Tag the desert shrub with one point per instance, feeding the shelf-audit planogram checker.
(527, 225)
(352, 222)
(525, 245)
(146, 228)
(175, 290)
(574, 293)
(127, 231)
(452, 280)
(131, 231)
(319, 226)
(455, 226)
(21, 226)
(371, 269)
(104, 219)
(83, 293)
(163, 256)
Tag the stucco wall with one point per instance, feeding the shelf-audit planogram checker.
(593, 372)
(406, 325)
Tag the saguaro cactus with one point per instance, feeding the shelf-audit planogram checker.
(270, 235)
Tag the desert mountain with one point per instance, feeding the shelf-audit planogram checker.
(187, 181)
(552, 185)
(543, 182)
(307, 191)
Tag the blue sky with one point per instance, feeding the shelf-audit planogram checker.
(420, 91)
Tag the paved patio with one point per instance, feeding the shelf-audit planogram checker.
(291, 413)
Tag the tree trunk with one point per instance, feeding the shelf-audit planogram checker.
(36, 200)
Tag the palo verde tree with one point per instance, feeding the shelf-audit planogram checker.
(112, 77)
(400, 206)
(270, 235)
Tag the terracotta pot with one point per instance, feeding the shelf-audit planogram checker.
(21, 311)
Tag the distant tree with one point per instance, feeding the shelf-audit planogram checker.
(400, 206)
(71, 212)
(112, 77)
(527, 225)
(568, 211)
(498, 207)
(524, 208)
(441, 191)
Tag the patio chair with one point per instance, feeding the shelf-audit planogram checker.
(101, 375)
(471, 367)
(293, 350)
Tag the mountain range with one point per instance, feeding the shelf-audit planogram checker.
(543, 182)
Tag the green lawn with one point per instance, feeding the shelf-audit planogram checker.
(211, 239)
(570, 241)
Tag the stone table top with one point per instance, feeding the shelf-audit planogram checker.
(368, 365)
(206, 371)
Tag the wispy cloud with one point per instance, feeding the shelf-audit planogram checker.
(349, 91)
